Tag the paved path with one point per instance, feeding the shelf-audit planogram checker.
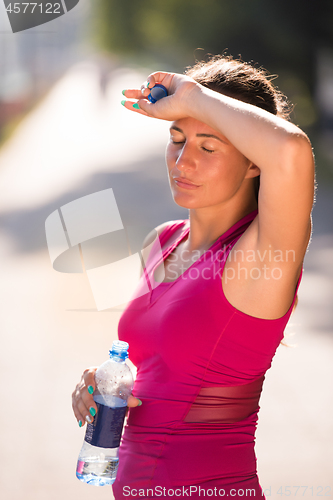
(78, 141)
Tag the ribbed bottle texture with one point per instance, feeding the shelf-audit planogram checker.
(98, 459)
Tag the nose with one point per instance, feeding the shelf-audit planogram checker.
(185, 159)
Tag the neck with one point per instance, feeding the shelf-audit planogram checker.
(209, 223)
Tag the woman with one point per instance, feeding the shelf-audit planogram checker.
(223, 291)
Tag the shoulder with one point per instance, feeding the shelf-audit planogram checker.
(158, 230)
(261, 280)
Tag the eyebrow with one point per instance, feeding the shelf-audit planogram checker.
(198, 135)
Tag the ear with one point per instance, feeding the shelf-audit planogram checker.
(252, 171)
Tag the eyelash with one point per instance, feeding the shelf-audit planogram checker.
(182, 142)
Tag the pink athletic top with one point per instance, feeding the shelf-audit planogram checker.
(201, 364)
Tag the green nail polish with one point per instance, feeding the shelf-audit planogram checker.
(90, 389)
(136, 106)
(140, 402)
(123, 103)
(147, 85)
(80, 423)
(123, 92)
(92, 411)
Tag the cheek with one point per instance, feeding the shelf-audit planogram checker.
(218, 172)
(233, 168)
(224, 176)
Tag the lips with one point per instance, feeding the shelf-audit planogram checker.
(181, 180)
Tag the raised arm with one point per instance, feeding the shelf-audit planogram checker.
(283, 154)
(278, 148)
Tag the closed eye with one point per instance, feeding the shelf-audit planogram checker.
(183, 142)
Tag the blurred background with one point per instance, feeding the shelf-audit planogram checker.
(63, 135)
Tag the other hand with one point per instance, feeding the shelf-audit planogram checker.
(175, 106)
(83, 404)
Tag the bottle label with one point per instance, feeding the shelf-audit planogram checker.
(105, 431)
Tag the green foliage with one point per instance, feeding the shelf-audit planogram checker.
(282, 36)
(286, 28)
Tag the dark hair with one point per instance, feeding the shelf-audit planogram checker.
(243, 81)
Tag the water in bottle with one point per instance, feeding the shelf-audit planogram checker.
(98, 460)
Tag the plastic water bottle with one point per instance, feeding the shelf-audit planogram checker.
(98, 460)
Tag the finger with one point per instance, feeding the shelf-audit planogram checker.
(132, 401)
(78, 409)
(89, 378)
(79, 417)
(160, 77)
(134, 106)
(151, 81)
(83, 404)
(135, 93)
(87, 412)
(81, 411)
(85, 390)
(148, 108)
(86, 397)
(145, 91)
(86, 405)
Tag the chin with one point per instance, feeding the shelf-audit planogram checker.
(185, 201)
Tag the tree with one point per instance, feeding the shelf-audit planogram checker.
(284, 36)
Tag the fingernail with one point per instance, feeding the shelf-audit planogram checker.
(136, 106)
(80, 423)
(140, 402)
(88, 419)
(147, 85)
(90, 389)
(92, 411)
(123, 103)
(123, 92)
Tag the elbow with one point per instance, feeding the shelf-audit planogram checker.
(296, 138)
(297, 151)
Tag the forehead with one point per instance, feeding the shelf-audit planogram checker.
(190, 126)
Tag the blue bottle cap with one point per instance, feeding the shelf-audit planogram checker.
(119, 349)
(157, 93)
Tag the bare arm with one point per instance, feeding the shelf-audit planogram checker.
(278, 148)
(283, 154)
